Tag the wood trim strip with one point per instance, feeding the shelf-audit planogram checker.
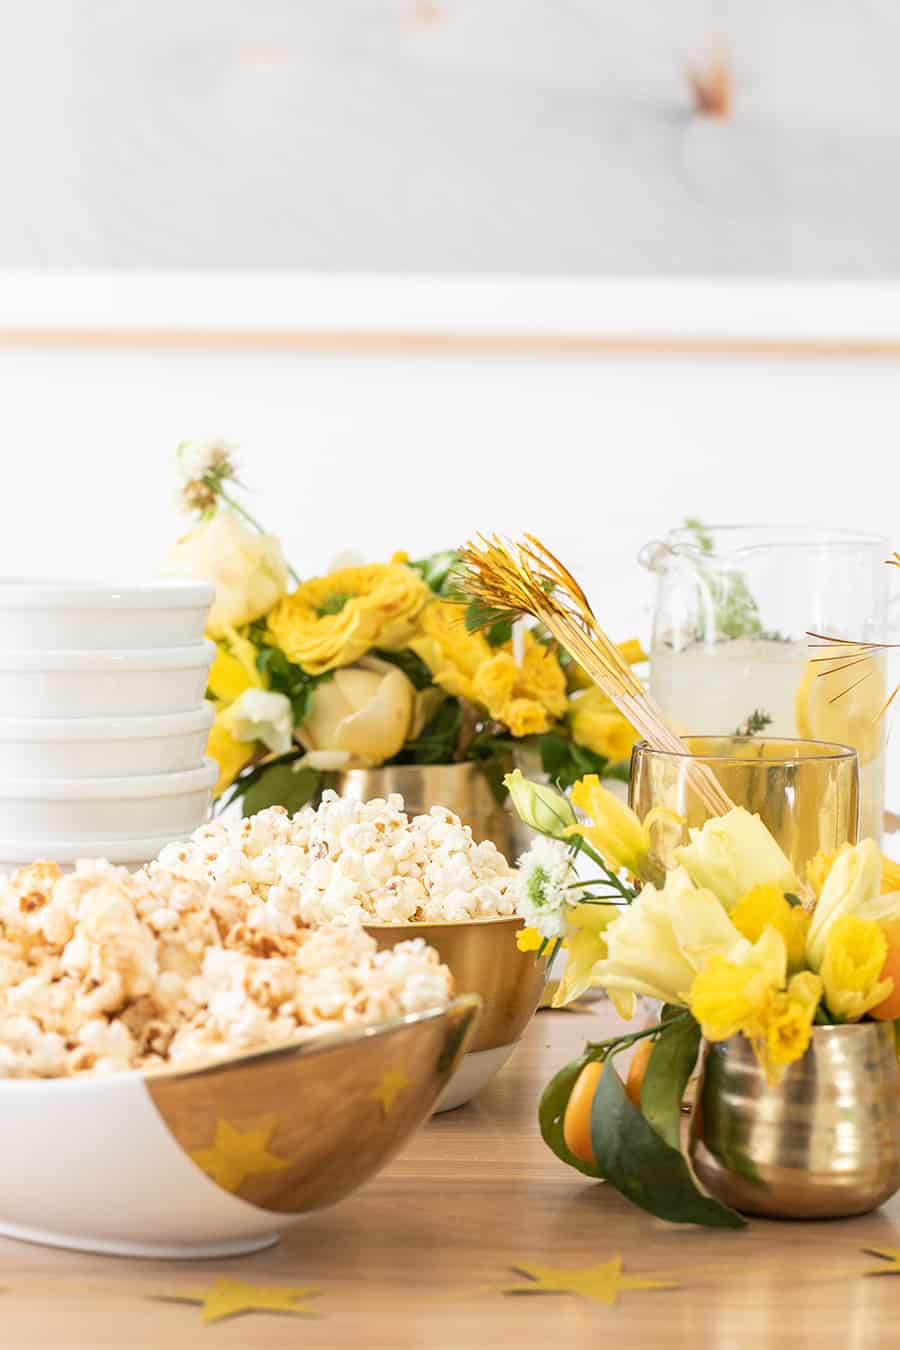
(476, 343)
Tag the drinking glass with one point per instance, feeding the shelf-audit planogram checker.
(730, 650)
(805, 792)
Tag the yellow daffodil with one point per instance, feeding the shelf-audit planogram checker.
(622, 841)
(855, 950)
(733, 853)
(539, 806)
(597, 724)
(586, 926)
(332, 621)
(766, 906)
(731, 995)
(818, 868)
(785, 1027)
(529, 939)
(658, 943)
(233, 669)
(853, 879)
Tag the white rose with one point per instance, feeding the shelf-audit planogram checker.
(357, 714)
(261, 715)
(247, 569)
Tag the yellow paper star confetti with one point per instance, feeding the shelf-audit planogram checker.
(599, 1284)
(393, 1082)
(890, 1257)
(235, 1156)
(231, 1298)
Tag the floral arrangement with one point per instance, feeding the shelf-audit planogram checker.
(729, 941)
(369, 664)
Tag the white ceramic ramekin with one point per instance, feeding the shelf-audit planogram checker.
(103, 747)
(56, 614)
(104, 683)
(70, 810)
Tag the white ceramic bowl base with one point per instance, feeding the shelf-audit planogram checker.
(474, 1073)
(68, 1174)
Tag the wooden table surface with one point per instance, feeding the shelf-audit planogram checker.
(419, 1257)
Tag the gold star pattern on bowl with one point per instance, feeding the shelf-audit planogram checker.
(234, 1156)
(232, 1298)
(391, 1084)
(890, 1257)
(599, 1284)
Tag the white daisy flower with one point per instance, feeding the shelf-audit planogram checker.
(543, 886)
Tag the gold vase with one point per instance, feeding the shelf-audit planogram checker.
(823, 1143)
(805, 792)
(465, 789)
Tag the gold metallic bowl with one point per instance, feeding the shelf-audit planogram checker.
(219, 1159)
(483, 959)
(824, 1143)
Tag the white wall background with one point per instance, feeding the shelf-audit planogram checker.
(377, 452)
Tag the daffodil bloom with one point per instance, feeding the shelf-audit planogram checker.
(818, 868)
(659, 942)
(731, 995)
(529, 940)
(623, 842)
(586, 926)
(854, 956)
(853, 879)
(784, 1030)
(766, 905)
(539, 806)
(733, 853)
(234, 668)
(230, 754)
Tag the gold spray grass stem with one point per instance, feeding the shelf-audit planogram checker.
(526, 578)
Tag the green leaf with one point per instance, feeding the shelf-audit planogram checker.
(552, 1110)
(437, 571)
(437, 742)
(413, 667)
(643, 1167)
(285, 677)
(670, 1066)
(564, 762)
(498, 633)
(280, 785)
(480, 615)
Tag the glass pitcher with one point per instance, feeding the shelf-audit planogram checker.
(730, 653)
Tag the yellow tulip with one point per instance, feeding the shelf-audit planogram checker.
(855, 950)
(733, 853)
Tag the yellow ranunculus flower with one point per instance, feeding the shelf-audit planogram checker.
(449, 650)
(630, 649)
(332, 621)
(729, 995)
(230, 755)
(597, 724)
(733, 853)
(494, 682)
(247, 569)
(853, 879)
(764, 906)
(586, 925)
(363, 714)
(854, 956)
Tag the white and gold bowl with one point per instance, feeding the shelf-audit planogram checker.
(484, 959)
(218, 1160)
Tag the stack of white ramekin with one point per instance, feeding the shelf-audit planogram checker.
(103, 723)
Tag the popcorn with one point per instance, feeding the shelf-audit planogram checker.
(347, 862)
(107, 970)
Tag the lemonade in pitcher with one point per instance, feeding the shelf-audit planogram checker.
(730, 651)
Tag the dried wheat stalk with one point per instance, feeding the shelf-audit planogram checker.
(526, 578)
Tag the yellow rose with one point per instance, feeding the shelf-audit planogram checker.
(246, 568)
(541, 677)
(361, 716)
(597, 724)
(332, 621)
(855, 950)
(449, 650)
(765, 906)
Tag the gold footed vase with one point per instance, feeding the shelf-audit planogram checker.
(824, 1143)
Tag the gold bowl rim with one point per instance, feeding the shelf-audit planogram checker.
(311, 1046)
(486, 922)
